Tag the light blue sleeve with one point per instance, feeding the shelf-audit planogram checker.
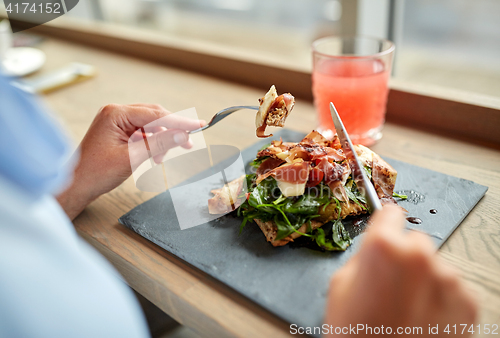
(52, 283)
(34, 152)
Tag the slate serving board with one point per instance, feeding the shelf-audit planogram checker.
(290, 281)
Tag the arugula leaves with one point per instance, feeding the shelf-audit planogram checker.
(265, 202)
(306, 204)
(263, 193)
(403, 197)
(340, 238)
(353, 193)
(250, 179)
(258, 161)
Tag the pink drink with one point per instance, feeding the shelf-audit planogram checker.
(358, 87)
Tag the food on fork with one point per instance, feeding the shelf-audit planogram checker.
(299, 187)
(273, 111)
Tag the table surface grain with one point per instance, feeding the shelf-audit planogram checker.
(188, 295)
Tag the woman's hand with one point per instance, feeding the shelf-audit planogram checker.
(104, 152)
(397, 280)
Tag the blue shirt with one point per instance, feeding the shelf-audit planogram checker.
(52, 283)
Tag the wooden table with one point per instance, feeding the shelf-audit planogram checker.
(190, 296)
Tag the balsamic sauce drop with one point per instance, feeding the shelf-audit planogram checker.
(414, 220)
(433, 211)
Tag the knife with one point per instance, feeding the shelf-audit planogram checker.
(364, 185)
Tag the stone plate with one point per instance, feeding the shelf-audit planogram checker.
(292, 281)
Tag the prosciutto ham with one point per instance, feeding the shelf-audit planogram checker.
(383, 175)
(314, 152)
(291, 177)
(334, 177)
(226, 199)
(332, 170)
(305, 149)
(321, 159)
(273, 111)
(384, 179)
(315, 138)
(327, 163)
(268, 165)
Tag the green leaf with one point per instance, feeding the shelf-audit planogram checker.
(340, 238)
(322, 242)
(245, 220)
(289, 223)
(306, 204)
(339, 208)
(403, 197)
(250, 181)
(262, 194)
(280, 199)
(353, 193)
(290, 213)
(340, 235)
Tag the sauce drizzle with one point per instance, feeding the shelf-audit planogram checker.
(414, 220)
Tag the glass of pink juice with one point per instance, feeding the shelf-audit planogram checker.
(353, 73)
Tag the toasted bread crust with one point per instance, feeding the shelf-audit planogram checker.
(269, 229)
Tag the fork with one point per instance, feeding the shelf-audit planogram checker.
(221, 115)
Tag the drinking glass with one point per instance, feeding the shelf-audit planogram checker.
(353, 73)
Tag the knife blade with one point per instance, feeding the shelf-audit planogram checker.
(364, 185)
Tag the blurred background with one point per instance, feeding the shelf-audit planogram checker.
(452, 43)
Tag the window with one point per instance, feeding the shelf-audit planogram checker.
(450, 43)
(453, 43)
(282, 29)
